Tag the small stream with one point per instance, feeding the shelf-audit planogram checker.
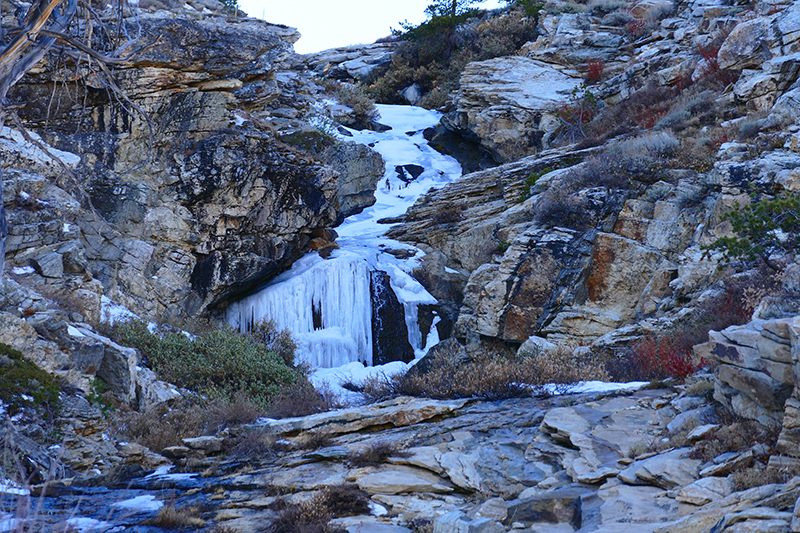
(327, 303)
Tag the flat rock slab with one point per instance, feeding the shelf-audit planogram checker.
(398, 412)
(705, 490)
(402, 479)
(556, 506)
(666, 470)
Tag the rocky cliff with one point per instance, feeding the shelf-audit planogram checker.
(195, 188)
(595, 244)
(211, 179)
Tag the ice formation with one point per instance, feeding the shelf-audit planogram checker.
(327, 308)
(326, 304)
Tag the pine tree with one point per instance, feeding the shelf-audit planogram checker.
(450, 8)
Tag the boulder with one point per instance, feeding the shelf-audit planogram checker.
(402, 479)
(666, 470)
(508, 102)
(746, 46)
(705, 490)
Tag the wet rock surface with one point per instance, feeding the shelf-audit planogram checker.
(566, 463)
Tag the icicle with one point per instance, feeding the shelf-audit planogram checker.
(327, 308)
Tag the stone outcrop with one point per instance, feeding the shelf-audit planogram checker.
(508, 104)
(198, 198)
(642, 259)
(351, 62)
(522, 464)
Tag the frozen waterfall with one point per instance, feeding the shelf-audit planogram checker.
(327, 308)
(327, 304)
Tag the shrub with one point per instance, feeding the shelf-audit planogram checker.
(594, 71)
(376, 453)
(162, 426)
(434, 54)
(530, 181)
(314, 515)
(767, 225)
(575, 114)
(602, 8)
(24, 385)
(171, 517)
(531, 8)
(253, 444)
(311, 141)
(668, 354)
(643, 108)
(487, 376)
(302, 400)
(624, 165)
(736, 437)
(661, 356)
(279, 341)
(638, 27)
(564, 207)
(220, 363)
(364, 110)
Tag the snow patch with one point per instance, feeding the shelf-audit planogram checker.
(140, 504)
(377, 509)
(10, 487)
(584, 387)
(21, 271)
(15, 142)
(89, 525)
(74, 332)
(112, 312)
(9, 523)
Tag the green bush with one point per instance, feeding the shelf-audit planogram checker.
(23, 384)
(434, 54)
(763, 227)
(220, 363)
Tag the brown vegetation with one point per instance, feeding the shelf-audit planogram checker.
(488, 376)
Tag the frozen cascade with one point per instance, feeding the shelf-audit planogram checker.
(326, 303)
(327, 308)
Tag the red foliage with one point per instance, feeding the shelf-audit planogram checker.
(594, 70)
(664, 356)
(636, 28)
(709, 53)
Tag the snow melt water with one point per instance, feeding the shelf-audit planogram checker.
(327, 304)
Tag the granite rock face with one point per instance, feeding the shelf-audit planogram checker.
(195, 197)
(507, 103)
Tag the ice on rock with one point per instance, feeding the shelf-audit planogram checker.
(327, 308)
(327, 304)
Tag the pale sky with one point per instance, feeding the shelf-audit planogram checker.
(331, 23)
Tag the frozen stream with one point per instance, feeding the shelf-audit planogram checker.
(326, 302)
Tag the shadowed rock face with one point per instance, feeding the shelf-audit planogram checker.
(199, 199)
(389, 330)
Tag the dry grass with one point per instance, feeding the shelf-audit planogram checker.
(171, 517)
(165, 426)
(314, 515)
(736, 437)
(254, 444)
(758, 476)
(315, 440)
(302, 400)
(376, 453)
(489, 376)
